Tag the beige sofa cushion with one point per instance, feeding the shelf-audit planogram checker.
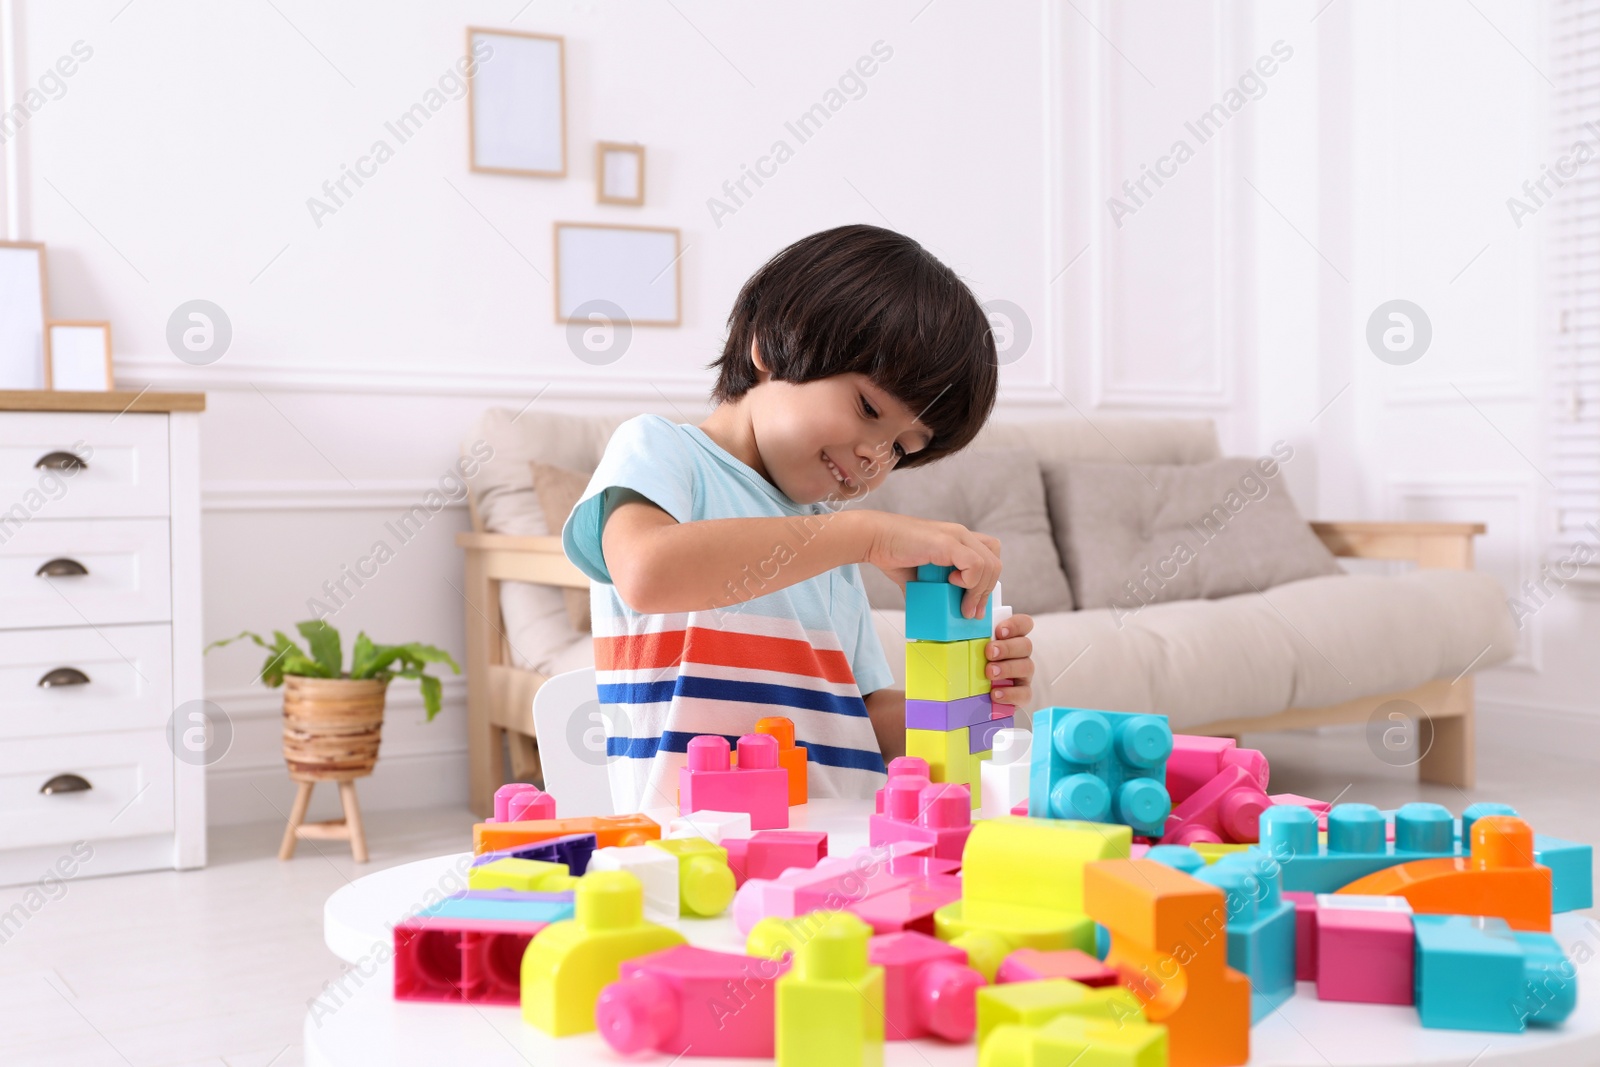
(558, 490)
(1136, 535)
(1308, 644)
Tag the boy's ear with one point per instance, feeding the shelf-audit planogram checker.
(755, 356)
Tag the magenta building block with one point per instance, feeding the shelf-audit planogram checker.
(1034, 965)
(1365, 956)
(914, 765)
(1226, 809)
(502, 797)
(475, 961)
(685, 999)
(928, 988)
(947, 715)
(980, 738)
(917, 810)
(758, 786)
(1197, 760)
(1305, 934)
(769, 853)
(910, 907)
(1021, 807)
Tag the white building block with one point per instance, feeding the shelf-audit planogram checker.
(656, 870)
(1003, 778)
(1362, 902)
(714, 826)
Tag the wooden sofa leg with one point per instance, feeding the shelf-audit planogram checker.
(1452, 759)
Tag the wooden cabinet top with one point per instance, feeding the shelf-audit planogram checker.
(119, 401)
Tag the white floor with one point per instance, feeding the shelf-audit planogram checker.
(218, 966)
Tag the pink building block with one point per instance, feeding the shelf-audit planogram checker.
(683, 998)
(880, 885)
(1197, 760)
(476, 961)
(927, 987)
(910, 907)
(1305, 934)
(1033, 965)
(1365, 955)
(520, 801)
(1021, 808)
(901, 765)
(1227, 808)
(757, 786)
(768, 853)
(917, 810)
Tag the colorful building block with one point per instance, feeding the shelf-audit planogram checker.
(1499, 879)
(502, 904)
(948, 753)
(1475, 973)
(758, 785)
(831, 979)
(1178, 857)
(1571, 872)
(1101, 766)
(705, 882)
(715, 826)
(656, 870)
(521, 801)
(791, 757)
(1167, 946)
(946, 670)
(686, 999)
(475, 961)
(1031, 965)
(607, 830)
(900, 765)
(1079, 1041)
(1305, 934)
(1212, 851)
(919, 810)
(1355, 845)
(980, 738)
(1261, 927)
(572, 851)
(768, 853)
(1364, 955)
(1003, 780)
(1196, 760)
(1022, 887)
(933, 613)
(835, 883)
(1033, 1004)
(928, 988)
(528, 876)
(570, 962)
(1226, 809)
(949, 714)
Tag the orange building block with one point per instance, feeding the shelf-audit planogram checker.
(1498, 879)
(1169, 947)
(790, 757)
(608, 830)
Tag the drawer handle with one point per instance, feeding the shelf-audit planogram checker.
(63, 676)
(66, 783)
(61, 461)
(61, 568)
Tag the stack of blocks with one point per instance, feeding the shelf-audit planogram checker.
(950, 719)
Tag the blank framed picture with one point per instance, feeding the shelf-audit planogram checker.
(517, 104)
(23, 303)
(633, 267)
(619, 173)
(78, 356)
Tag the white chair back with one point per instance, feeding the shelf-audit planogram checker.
(572, 744)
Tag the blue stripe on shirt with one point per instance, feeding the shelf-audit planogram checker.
(676, 741)
(744, 692)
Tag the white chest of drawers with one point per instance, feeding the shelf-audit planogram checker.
(100, 639)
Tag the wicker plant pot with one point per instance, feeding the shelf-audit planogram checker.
(331, 731)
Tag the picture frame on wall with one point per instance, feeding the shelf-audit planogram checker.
(619, 173)
(78, 356)
(24, 304)
(517, 103)
(631, 269)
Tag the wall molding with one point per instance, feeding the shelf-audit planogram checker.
(320, 494)
(255, 794)
(1526, 725)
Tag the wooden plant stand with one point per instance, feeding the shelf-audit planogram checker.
(331, 731)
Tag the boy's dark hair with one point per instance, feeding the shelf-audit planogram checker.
(871, 301)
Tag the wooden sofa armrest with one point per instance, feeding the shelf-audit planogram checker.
(1441, 545)
(538, 560)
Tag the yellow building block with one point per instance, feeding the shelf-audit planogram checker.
(830, 1003)
(1212, 851)
(530, 876)
(1032, 1004)
(705, 882)
(945, 751)
(777, 937)
(977, 667)
(939, 670)
(569, 962)
(977, 776)
(1080, 1041)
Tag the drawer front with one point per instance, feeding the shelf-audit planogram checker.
(84, 680)
(123, 472)
(127, 574)
(130, 779)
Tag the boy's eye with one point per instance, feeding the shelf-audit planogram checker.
(867, 408)
(899, 450)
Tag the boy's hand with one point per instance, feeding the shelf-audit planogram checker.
(900, 543)
(1010, 667)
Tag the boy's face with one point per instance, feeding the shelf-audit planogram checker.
(831, 438)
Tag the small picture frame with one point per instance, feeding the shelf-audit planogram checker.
(24, 305)
(517, 103)
(78, 357)
(633, 270)
(619, 173)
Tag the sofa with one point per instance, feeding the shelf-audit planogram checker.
(1255, 627)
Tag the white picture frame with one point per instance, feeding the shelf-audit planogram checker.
(78, 356)
(24, 306)
(517, 104)
(635, 268)
(619, 173)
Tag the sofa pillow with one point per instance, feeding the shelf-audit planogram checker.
(1132, 536)
(997, 491)
(558, 490)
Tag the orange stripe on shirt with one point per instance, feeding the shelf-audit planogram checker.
(635, 652)
(724, 648)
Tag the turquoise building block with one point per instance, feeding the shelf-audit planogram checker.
(543, 911)
(1178, 857)
(1261, 926)
(933, 613)
(1478, 974)
(932, 572)
(1571, 872)
(1101, 766)
(1356, 845)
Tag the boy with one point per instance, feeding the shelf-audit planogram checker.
(726, 586)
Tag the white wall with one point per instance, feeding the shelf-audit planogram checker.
(178, 163)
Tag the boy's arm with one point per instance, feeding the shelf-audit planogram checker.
(659, 565)
(887, 710)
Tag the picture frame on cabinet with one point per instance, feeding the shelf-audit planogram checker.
(78, 356)
(24, 305)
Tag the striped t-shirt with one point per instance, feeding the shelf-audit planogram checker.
(807, 652)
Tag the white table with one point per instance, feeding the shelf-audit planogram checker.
(361, 1023)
